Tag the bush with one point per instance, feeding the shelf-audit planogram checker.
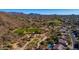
(55, 39)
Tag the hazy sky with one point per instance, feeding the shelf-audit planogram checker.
(44, 11)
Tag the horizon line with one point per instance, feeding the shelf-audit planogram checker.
(36, 13)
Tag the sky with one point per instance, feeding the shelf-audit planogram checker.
(44, 11)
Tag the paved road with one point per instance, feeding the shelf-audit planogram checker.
(73, 39)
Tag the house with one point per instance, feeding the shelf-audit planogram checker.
(63, 37)
(58, 47)
(63, 42)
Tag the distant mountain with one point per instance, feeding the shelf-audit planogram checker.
(34, 14)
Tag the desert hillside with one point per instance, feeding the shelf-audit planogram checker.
(20, 31)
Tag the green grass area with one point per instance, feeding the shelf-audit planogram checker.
(22, 31)
(55, 22)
